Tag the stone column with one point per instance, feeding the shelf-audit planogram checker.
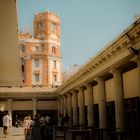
(90, 106)
(102, 103)
(69, 103)
(10, 108)
(119, 101)
(61, 105)
(58, 107)
(81, 106)
(75, 107)
(34, 107)
(137, 60)
(65, 104)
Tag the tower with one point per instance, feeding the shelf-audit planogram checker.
(43, 66)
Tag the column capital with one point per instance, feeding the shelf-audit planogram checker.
(74, 91)
(137, 60)
(9, 100)
(34, 99)
(115, 71)
(88, 85)
(99, 79)
(81, 88)
(68, 94)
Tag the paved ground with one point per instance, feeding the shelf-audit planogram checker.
(14, 134)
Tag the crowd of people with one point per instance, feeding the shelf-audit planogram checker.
(39, 128)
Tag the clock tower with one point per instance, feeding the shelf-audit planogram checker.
(44, 66)
(47, 30)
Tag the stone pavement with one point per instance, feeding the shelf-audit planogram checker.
(14, 134)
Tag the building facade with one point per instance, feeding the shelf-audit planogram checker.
(105, 92)
(40, 55)
(41, 71)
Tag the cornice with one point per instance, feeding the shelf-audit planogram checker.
(114, 54)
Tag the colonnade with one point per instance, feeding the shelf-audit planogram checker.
(73, 103)
(9, 107)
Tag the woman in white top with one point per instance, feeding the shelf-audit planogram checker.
(6, 123)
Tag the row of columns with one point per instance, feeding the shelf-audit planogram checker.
(72, 101)
(9, 107)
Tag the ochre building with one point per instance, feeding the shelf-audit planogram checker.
(40, 55)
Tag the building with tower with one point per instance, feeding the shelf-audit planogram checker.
(40, 55)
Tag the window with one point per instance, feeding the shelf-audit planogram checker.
(37, 76)
(36, 62)
(54, 78)
(53, 50)
(22, 48)
(40, 26)
(22, 61)
(38, 48)
(54, 64)
(54, 27)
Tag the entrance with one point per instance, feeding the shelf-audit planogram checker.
(111, 115)
(132, 114)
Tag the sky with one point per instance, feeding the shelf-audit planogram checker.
(87, 26)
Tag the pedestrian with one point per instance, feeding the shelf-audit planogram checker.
(6, 123)
(27, 125)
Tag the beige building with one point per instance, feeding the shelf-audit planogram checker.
(105, 92)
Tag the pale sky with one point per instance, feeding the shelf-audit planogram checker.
(87, 26)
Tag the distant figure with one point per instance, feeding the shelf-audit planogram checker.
(6, 123)
(48, 120)
(27, 122)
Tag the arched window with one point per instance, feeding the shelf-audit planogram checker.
(54, 64)
(37, 77)
(54, 78)
(53, 50)
(37, 63)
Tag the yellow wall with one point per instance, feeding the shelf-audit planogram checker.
(22, 105)
(47, 105)
(131, 83)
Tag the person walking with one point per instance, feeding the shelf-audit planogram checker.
(6, 123)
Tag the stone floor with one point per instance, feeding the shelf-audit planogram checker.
(14, 134)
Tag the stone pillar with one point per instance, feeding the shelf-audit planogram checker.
(58, 107)
(75, 107)
(34, 107)
(69, 103)
(10, 108)
(102, 103)
(137, 60)
(61, 105)
(81, 106)
(90, 106)
(65, 104)
(119, 101)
